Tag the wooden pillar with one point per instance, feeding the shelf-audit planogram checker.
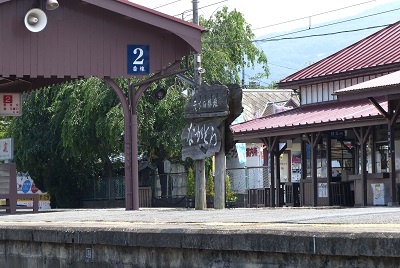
(373, 151)
(278, 154)
(391, 117)
(329, 166)
(272, 144)
(393, 185)
(314, 176)
(200, 192)
(265, 159)
(313, 140)
(278, 176)
(394, 111)
(303, 169)
(220, 174)
(362, 136)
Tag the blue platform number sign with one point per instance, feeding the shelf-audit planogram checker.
(138, 59)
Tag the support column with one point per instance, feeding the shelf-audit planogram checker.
(220, 173)
(278, 154)
(272, 144)
(393, 185)
(200, 194)
(303, 169)
(362, 136)
(394, 112)
(329, 166)
(313, 140)
(391, 116)
(314, 176)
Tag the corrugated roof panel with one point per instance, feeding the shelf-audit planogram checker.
(380, 82)
(312, 114)
(380, 48)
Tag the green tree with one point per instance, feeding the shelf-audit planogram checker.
(40, 152)
(190, 184)
(67, 135)
(210, 184)
(91, 121)
(229, 194)
(228, 47)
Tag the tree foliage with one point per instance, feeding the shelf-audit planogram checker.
(160, 125)
(66, 136)
(228, 47)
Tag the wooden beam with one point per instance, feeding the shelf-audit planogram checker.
(380, 109)
(362, 137)
(396, 114)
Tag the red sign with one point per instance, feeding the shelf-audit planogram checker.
(34, 189)
(11, 104)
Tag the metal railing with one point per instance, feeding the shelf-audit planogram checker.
(105, 188)
(241, 180)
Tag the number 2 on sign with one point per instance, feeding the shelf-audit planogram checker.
(7, 99)
(138, 58)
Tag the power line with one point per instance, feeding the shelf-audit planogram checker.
(338, 22)
(275, 38)
(316, 35)
(326, 12)
(282, 66)
(189, 10)
(167, 4)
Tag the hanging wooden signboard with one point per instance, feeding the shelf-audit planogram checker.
(208, 101)
(201, 139)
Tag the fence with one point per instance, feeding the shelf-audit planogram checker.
(241, 179)
(106, 188)
(114, 188)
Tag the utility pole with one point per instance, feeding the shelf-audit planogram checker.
(200, 174)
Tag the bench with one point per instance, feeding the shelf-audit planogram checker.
(8, 190)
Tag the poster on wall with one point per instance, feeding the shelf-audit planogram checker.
(296, 166)
(322, 189)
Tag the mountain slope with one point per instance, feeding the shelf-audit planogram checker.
(288, 56)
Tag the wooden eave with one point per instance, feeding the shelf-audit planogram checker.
(155, 18)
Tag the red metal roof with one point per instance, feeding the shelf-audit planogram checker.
(308, 115)
(392, 79)
(378, 49)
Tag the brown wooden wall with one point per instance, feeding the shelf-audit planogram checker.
(80, 40)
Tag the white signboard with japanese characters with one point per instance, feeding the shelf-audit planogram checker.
(6, 149)
(10, 104)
